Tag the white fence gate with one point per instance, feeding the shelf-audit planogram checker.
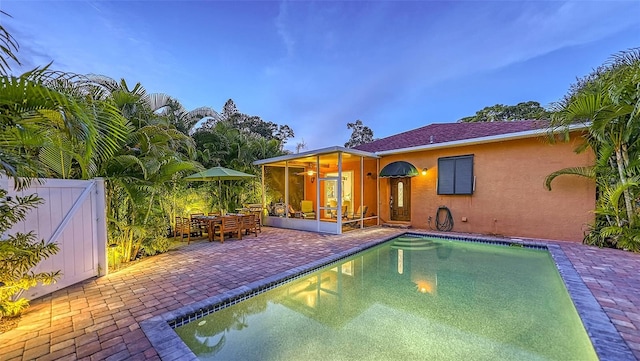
(73, 215)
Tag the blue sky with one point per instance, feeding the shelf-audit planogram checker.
(316, 66)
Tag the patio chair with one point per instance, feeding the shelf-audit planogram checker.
(345, 208)
(360, 213)
(183, 227)
(198, 226)
(256, 209)
(228, 224)
(353, 220)
(249, 224)
(306, 207)
(213, 214)
(179, 229)
(333, 213)
(293, 213)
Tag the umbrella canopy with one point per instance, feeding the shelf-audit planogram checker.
(398, 169)
(218, 173)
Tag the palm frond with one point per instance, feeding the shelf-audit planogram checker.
(588, 172)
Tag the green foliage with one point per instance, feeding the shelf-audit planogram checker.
(251, 125)
(498, 113)
(50, 128)
(62, 125)
(361, 134)
(608, 102)
(8, 47)
(235, 141)
(20, 253)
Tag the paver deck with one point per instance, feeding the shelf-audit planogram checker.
(98, 319)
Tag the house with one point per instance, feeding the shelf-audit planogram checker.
(483, 178)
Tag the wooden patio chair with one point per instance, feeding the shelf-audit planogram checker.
(185, 228)
(198, 226)
(249, 224)
(256, 209)
(178, 229)
(229, 224)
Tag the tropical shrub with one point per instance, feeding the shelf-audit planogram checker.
(20, 252)
(608, 102)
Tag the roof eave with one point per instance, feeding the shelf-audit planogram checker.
(481, 140)
(316, 152)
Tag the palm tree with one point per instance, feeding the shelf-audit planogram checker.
(154, 155)
(8, 45)
(48, 127)
(608, 101)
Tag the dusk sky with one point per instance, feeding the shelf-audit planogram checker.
(316, 66)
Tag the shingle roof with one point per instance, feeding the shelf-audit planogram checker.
(450, 132)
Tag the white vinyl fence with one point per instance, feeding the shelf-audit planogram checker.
(73, 215)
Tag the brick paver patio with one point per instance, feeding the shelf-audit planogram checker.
(99, 319)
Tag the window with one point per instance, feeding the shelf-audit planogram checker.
(455, 175)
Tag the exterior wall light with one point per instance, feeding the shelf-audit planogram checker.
(424, 171)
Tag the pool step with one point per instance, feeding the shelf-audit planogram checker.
(415, 244)
(392, 224)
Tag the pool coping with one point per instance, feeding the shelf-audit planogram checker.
(605, 338)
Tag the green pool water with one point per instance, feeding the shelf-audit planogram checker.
(408, 299)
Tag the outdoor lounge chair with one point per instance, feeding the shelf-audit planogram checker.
(332, 212)
(360, 213)
(306, 207)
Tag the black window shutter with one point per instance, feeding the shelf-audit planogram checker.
(464, 175)
(446, 176)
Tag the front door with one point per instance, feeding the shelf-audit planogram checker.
(400, 201)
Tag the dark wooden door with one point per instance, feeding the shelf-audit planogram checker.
(400, 201)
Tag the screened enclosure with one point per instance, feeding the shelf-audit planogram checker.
(330, 190)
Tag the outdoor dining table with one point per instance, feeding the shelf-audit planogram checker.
(212, 222)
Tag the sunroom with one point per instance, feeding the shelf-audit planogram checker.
(329, 190)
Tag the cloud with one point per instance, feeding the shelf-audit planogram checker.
(283, 32)
(376, 63)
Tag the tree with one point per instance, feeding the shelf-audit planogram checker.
(300, 146)
(500, 112)
(361, 134)
(229, 110)
(153, 156)
(608, 102)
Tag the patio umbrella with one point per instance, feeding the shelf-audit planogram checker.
(219, 174)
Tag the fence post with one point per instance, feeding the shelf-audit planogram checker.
(101, 227)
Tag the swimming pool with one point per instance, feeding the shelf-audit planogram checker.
(409, 298)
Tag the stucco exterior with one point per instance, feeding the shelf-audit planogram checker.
(509, 197)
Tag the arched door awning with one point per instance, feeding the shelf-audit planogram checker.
(398, 169)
